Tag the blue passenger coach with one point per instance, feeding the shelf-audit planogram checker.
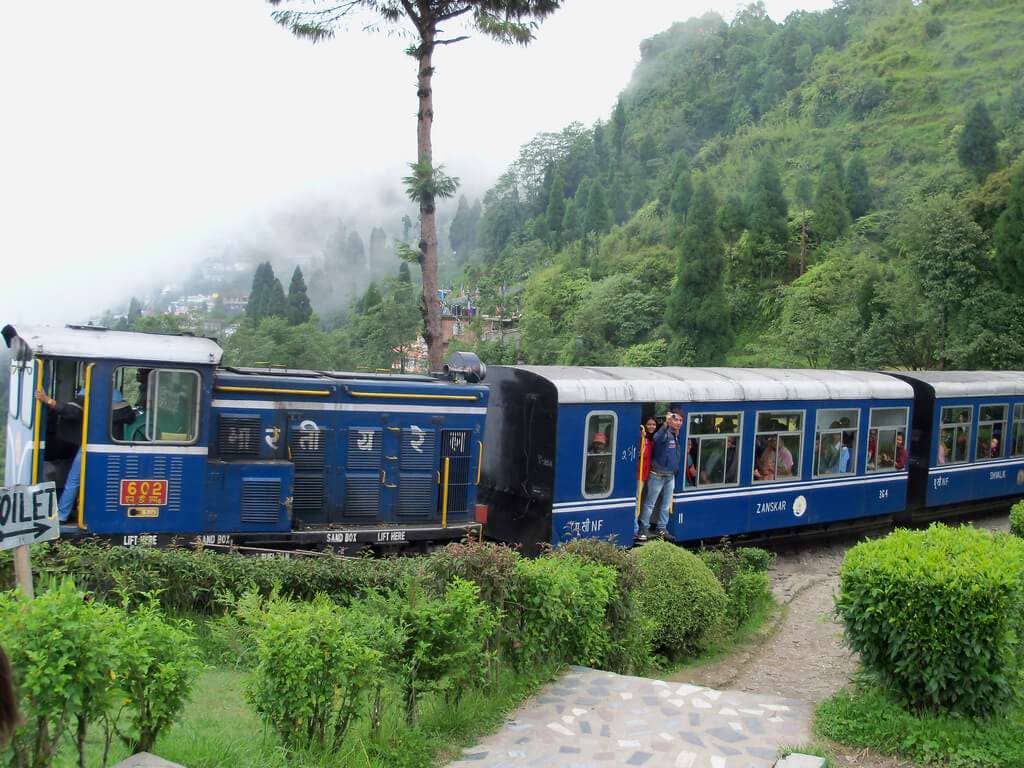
(968, 439)
(771, 449)
(170, 445)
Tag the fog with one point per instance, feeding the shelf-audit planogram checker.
(139, 136)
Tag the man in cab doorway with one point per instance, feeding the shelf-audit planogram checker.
(665, 458)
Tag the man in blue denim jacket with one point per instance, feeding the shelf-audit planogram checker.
(665, 459)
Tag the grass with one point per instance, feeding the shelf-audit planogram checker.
(219, 729)
(865, 716)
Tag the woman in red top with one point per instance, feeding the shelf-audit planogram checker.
(647, 447)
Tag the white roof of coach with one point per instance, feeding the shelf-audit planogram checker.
(971, 383)
(695, 385)
(93, 343)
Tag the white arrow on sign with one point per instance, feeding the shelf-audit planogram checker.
(28, 514)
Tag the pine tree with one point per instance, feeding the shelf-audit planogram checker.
(768, 211)
(831, 217)
(277, 302)
(857, 187)
(805, 197)
(299, 308)
(597, 219)
(134, 312)
(682, 188)
(462, 233)
(570, 222)
(600, 147)
(556, 206)
(378, 245)
(355, 252)
(977, 148)
(1009, 236)
(256, 308)
(698, 314)
(403, 273)
(619, 129)
(617, 200)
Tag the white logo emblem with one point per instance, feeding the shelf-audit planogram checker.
(308, 442)
(799, 506)
(418, 436)
(273, 436)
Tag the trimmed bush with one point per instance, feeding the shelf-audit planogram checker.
(1017, 519)
(558, 611)
(682, 597)
(742, 574)
(492, 567)
(747, 592)
(938, 616)
(630, 633)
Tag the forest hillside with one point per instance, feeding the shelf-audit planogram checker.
(842, 189)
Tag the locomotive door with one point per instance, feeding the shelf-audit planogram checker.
(411, 466)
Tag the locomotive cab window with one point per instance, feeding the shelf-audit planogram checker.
(991, 432)
(954, 435)
(715, 441)
(835, 442)
(154, 405)
(1018, 429)
(777, 446)
(887, 440)
(599, 455)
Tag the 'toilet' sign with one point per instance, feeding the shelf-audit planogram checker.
(28, 514)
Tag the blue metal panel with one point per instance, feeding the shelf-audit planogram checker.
(249, 497)
(975, 480)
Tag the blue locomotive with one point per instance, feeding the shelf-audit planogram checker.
(163, 444)
(151, 440)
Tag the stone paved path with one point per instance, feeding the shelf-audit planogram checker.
(589, 719)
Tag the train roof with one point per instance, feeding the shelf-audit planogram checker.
(97, 343)
(616, 385)
(304, 374)
(970, 383)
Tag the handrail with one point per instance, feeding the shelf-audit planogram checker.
(479, 460)
(84, 447)
(273, 391)
(444, 493)
(35, 425)
(413, 396)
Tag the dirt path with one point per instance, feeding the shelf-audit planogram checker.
(802, 655)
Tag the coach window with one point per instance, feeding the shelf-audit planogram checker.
(716, 447)
(887, 440)
(991, 432)
(954, 435)
(777, 446)
(599, 454)
(1018, 429)
(835, 442)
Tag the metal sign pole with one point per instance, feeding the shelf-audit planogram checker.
(23, 570)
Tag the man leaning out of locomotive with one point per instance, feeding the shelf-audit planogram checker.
(665, 460)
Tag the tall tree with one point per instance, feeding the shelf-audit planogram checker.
(767, 209)
(277, 302)
(857, 187)
(403, 273)
(570, 222)
(977, 147)
(617, 200)
(378, 246)
(299, 308)
(831, 216)
(805, 198)
(682, 188)
(256, 308)
(508, 21)
(697, 312)
(597, 219)
(619, 129)
(556, 206)
(462, 234)
(1009, 236)
(134, 312)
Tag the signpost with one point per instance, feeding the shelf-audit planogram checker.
(28, 514)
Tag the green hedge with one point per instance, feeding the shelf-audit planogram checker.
(682, 598)
(743, 575)
(938, 616)
(1017, 519)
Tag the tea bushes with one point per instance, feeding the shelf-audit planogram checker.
(78, 662)
(1017, 519)
(681, 595)
(938, 616)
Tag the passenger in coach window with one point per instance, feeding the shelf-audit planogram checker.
(665, 460)
(901, 452)
(647, 430)
(691, 465)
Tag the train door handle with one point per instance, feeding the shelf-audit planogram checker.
(384, 480)
(391, 458)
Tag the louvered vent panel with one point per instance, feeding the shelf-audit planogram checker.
(308, 494)
(364, 445)
(238, 436)
(307, 451)
(418, 449)
(261, 500)
(362, 496)
(455, 445)
(416, 496)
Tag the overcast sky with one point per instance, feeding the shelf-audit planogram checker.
(138, 136)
